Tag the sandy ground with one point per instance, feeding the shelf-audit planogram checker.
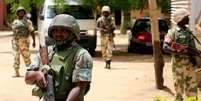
(130, 79)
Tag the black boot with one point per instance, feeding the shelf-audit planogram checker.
(108, 64)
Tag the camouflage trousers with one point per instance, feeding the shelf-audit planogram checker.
(21, 46)
(184, 77)
(107, 46)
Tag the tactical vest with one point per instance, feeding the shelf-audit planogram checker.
(185, 37)
(106, 24)
(62, 63)
(20, 28)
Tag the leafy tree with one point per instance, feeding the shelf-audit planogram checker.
(27, 4)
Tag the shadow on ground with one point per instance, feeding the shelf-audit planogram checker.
(120, 54)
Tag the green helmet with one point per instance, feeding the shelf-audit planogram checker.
(20, 8)
(66, 21)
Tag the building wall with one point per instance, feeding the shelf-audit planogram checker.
(2, 13)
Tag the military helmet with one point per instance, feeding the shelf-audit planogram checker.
(178, 15)
(105, 9)
(66, 21)
(20, 8)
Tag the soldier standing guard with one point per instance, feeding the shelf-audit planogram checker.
(70, 64)
(106, 26)
(177, 40)
(22, 28)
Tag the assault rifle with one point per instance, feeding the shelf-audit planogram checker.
(190, 50)
(48, 92)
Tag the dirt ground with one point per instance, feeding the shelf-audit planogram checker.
(130, 79)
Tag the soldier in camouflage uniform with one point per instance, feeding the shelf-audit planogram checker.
(183, 65)
(22, 28)
(70, 63)
(106, 26)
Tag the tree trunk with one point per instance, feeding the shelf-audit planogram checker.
(122, 26)
(158, 57)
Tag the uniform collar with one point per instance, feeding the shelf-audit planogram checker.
(66, 52)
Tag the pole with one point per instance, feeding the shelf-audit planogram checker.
(157, 54)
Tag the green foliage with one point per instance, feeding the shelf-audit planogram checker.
(27, 4)
(157, 98)
(139, 4)
(60, 5)
(164, 5)
(191, 99)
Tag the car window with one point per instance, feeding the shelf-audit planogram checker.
(78, 11)
(163, 25)
(145, 25)
(51, 11)
(141, 25)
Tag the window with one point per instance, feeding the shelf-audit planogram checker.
(78, 11)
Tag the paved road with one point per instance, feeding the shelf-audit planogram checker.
(130, 79)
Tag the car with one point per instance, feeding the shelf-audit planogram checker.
(84, 16)
(140, 35)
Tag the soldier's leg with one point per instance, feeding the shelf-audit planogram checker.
(191, 84)
(24, 50)
(178, 81)
(109, 48)
(109, 52)
(16, 54)
(103, 47)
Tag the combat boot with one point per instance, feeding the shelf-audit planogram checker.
(108, 64)
(17, 73)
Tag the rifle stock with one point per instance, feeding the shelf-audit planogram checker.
(49, 91)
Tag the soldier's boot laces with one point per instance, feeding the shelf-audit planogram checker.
(17, 73)
(108, 64)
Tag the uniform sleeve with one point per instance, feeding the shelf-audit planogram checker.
(113, 23)
(83, 67)
(35, 65)
(30, 26)
(98, 23)
(14, 25)
(169, 37)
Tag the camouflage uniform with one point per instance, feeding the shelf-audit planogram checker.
(69, 62)
(106, 26)
(20, 42)
(182, 65)
(77, 64)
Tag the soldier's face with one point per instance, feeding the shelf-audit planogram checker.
(186, 20)
(60, 34)
(106, 14)
(21, 14)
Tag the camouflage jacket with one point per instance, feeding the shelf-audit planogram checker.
(22, 27)
(106, 25)
(183, 37)
(72, 65)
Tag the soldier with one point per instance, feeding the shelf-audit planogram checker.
(70, 63)
(22, 28)
(106, 26)
(177, 41)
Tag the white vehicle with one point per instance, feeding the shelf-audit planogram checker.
(83, 14)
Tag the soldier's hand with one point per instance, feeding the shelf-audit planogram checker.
(40, 80)
(182, 49)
